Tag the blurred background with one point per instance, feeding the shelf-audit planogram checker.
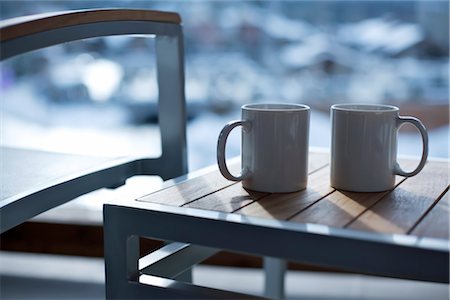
(99, 96)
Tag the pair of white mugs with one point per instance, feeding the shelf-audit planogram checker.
(275, 141)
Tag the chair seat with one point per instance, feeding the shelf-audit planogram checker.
(25, 170)
(34, 181)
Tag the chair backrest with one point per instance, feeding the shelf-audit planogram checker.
(24, 34)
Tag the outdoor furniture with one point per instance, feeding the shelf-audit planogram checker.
(401, 233)
(33, 181)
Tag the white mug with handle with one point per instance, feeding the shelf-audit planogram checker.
(274, 147)
(364, 146)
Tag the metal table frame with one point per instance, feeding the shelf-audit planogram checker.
(198, 234)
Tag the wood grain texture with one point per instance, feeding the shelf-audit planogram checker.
(435, 223)
(403, 207)
(235, 197)
(229, 199)
(284, 206)
(192, 189)
(202, 186)
(22, 26)
(341, 207)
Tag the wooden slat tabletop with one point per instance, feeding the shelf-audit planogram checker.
(418, 205)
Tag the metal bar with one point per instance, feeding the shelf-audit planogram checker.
(116, 247)
(174, 259)
(152, 287)
(132, 257)
(186, 276)
(274, 270)
(172, 104)
(26, 25)
(58, 36)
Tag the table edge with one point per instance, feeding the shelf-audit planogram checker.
(402, 240)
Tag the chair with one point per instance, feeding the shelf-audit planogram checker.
(35, 181)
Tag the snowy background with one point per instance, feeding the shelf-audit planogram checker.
(99, 96)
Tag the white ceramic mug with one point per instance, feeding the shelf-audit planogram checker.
(364, 147)
(274, 147)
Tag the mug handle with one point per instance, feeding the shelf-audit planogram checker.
(221, 143)
(423, 132)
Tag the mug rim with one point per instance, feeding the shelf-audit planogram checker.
(364, 107)
(275, 107)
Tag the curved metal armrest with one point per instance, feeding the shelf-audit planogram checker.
(23, 34)
(23, 26)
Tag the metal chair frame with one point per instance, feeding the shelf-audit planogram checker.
(24, 34)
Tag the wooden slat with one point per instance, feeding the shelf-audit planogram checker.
(435, 223)
(403, 207)
(234, 197)
(199, 187)
(284, 206)
(341, 207)
(229, 199)
(192, 189)
(22, 26)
